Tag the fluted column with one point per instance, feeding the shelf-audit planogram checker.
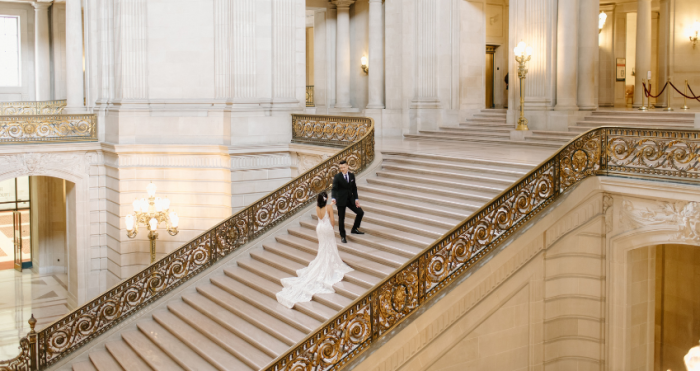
(567, 55)
(376, 55)
(342, 85)
(588, 55)
(664, 31)
(74, 57)
(42, 51)
(643, 54)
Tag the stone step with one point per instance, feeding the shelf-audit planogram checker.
(494, 141)
(103, 361)
(151, 354)
(637, 113)
(127, 358)
(474, 129)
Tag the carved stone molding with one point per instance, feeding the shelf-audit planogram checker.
(308, 161)
(608, 211)
(77, 164)
(683, 215)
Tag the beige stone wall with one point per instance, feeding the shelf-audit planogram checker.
(576, 291)
(48, 210)
(677, 304)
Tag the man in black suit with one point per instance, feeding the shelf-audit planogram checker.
(344, 194)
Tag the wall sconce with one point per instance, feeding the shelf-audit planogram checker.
(363, 63)
(694, 33)
(602, 17)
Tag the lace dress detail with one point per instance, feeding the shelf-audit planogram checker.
(323, 272)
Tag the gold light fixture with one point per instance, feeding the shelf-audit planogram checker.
(150, 213)
(363, 63)
(602, 17)
(694, 33)
(692, 359)
(523, 53)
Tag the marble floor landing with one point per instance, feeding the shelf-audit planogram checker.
(22, 294)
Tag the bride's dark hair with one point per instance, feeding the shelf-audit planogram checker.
(322, 200)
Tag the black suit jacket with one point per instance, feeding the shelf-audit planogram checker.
(342, 191)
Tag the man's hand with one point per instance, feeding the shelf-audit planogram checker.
(357, 203)
(333, 201)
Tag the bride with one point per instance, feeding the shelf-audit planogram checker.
(325, 270)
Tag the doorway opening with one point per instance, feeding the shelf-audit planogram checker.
(490, 75)
(15, 224)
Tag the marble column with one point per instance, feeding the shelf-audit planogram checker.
(664, 42)
(376, 55)
(643, 54)
(342, 85)
(74, 57)
(588, 55)
(567, 55)
(42, 51)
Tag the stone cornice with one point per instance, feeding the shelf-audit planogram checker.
(342, 3)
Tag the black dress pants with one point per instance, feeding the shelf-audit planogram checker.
(341, 216)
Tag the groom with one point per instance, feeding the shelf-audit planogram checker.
(344, 194)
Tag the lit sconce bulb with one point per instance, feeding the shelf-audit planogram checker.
(166, 203)
(174, 219)
(153, 224)
(364, 63)
(144, 205)
(130, 222)
(692, 359)
(601, 20)
(151, 190)
(159, 204)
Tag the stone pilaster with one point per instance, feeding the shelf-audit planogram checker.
(42, 50)
(74, 57)
(376, 55)
(567, 55)
(588, 55)
(343, 54)
(643, 54)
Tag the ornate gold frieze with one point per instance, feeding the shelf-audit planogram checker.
(47, 128)
(50, 107)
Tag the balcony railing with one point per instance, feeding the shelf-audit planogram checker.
(39, 350)
(310, 96)
(633, 153)
(50, 107)
(47, 128)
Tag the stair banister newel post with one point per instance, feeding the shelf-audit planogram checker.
(33, 345)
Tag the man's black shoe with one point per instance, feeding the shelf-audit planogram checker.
(356, 231)
(343, 240)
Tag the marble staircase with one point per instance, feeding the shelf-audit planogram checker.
(489, 125)
(231, 320)
(651, 119)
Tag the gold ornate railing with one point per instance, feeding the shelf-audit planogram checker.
(48, 128)
(310, 96)
(633, 153)
(40, 350)
(49, 107)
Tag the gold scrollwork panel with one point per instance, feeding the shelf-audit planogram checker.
(57, 128)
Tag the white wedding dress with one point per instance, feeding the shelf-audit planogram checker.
(322, 273)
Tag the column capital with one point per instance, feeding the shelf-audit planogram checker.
(343, 3)
(38, 5)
